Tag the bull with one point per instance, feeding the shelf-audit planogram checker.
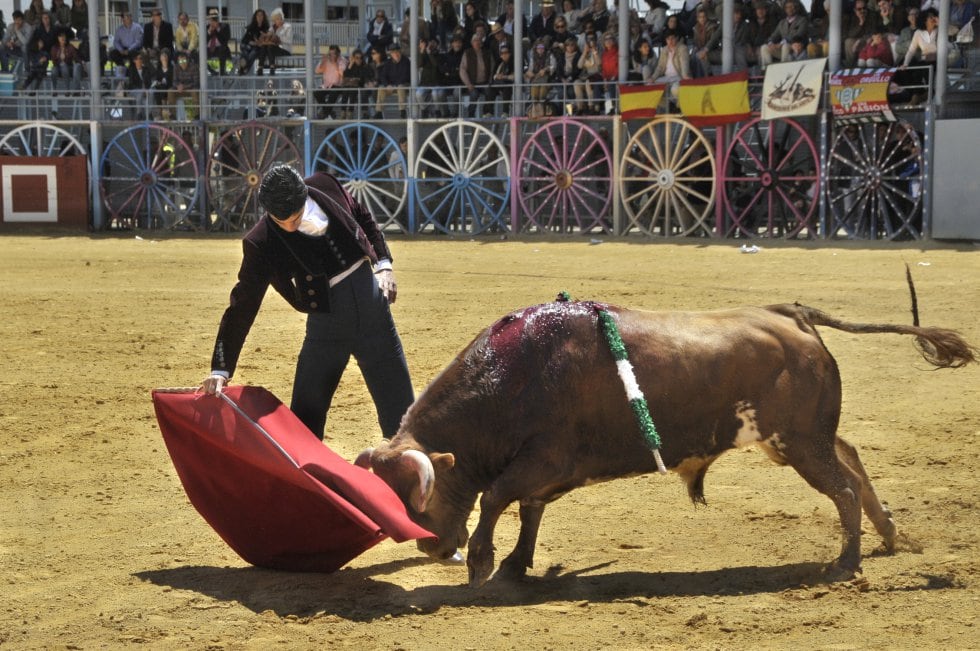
(533, 407)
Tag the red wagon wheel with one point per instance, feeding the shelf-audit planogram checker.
(238, 161)
(565, 178)
(771, 180)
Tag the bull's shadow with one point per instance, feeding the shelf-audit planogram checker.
(358, 595)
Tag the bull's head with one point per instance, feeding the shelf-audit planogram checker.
(419, 480)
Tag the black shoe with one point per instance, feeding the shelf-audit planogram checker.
(403, 114)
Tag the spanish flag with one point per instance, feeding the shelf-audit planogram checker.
(711, 101)
(639, 101)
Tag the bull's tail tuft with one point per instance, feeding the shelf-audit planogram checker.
(941, 347)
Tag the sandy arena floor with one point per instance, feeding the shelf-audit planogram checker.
(99, 547)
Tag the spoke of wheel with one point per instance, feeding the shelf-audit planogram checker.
(789, 154)
(448, 168)
(689, 190)
(656, 163)
(555, 162)
(643, 166)
(694, 165)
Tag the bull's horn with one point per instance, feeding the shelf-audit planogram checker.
(364, 459)
(427, 475)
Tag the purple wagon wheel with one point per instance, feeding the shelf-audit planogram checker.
(771, 180)
(564, 179)
(149, 178)
(238, 161)
(875, 181)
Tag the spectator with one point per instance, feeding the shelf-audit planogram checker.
(452, 63)
(127, 41)
(217, 41)
(16, 40)
(741, 47)
(34, 12)
(376, 61)
(79, 23)
(46, 32)
(139, 80)
(278, 41)
(60, 14)
(404, 37)
(572, 15)
(506, 20)
(705, 43)
(502, 81)
(187, 82)
(600, 16)
(819, 33)
(163, 81)
(675, 25)
(395, 75)
(567, 72)
(474, 71)
(331, 70)
(444, 21)
(37, 65)
(890, 19)
(380, 34)
(856, 30)
(590, 72)
(673, 64)
(471, 18)
(924, 43)
(498, 39)
(761, 27)
(793, 25)
(540, 70)
(642, 62)
(187, 37)
(250, 43)
(158, 34)
(906, 33)
(543, 23)
(296, 100)
(356, 76)
(877, 52)
(797, 49)
(960, 13)
(66, 65)
(429, 93)
(610, 70)
(656, 18)
(562, 32)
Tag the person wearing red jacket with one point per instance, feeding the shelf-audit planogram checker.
(610, 71)
(877, 52)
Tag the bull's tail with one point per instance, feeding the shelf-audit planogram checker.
(941, 347)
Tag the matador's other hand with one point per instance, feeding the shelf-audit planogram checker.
(386, 281)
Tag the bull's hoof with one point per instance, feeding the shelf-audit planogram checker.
(902, 542)
(480, 567)
(511, 569)
(836, 572)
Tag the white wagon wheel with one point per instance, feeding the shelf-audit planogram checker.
(463, 179)
(667, 179)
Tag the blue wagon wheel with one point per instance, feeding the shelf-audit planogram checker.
(462, 179)
(149, 178)
(565, 178)
(238, 161)
(371, 166)
(875, 180)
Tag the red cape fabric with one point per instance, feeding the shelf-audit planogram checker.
(277, 495)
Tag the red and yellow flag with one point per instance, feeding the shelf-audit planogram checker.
(710, 101)
(639, 101)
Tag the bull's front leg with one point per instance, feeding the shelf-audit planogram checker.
(516, 564)
(479, 558)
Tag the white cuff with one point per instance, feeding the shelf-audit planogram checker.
(384, 264)
(223, 374)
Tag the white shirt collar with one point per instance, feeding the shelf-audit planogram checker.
(314, 221)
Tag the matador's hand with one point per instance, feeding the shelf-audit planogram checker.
(214, 384)
(386, 281)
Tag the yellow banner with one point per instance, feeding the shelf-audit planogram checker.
(640, 101)
(710, 101)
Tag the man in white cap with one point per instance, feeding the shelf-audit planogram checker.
(543, 24)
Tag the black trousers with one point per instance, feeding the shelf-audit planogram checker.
(359, 324)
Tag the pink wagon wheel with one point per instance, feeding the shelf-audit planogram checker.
(564, 179)
(149, 178)
(771, 180)
(238, 161)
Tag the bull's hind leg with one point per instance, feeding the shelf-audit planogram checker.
(879, 514)
(822, 469)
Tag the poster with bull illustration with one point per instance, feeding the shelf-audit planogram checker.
(861, 95)
(792, 89)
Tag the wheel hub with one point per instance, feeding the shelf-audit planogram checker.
(148, 178)
(665, 179)
(253, 179)
(460, 180)
(564, 179)
(767, 179)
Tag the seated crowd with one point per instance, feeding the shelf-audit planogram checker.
(571, 52)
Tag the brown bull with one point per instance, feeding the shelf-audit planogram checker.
(534, 407)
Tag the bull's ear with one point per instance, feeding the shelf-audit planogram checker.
(364, 459)
(443, 460)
